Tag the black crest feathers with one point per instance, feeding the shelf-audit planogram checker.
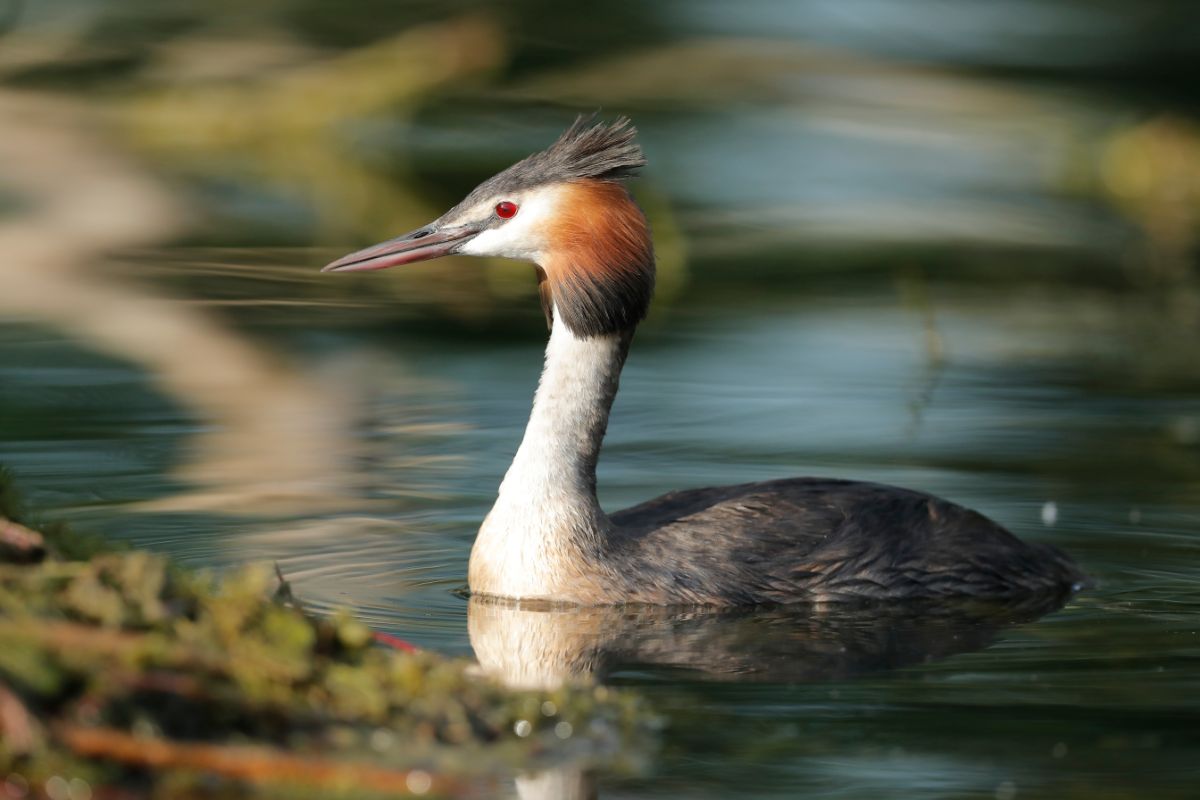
(592, 150)
(587, 149)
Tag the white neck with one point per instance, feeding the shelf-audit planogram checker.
(546, 518)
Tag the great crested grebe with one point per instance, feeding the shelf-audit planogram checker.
(546, 537)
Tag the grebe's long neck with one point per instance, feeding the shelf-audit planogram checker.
(557, 458)
(547, 520)
(546, 535)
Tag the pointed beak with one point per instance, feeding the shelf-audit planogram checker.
(419, 245)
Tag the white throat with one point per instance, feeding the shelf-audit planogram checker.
(546, 521)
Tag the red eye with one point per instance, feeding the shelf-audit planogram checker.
(506, 210)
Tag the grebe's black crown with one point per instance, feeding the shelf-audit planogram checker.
(587, 149)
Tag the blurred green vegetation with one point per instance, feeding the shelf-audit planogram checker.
(120, 669)
(1068, 136)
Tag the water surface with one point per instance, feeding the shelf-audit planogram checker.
(1009, 408)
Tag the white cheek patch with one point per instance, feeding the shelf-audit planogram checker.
(523, 236)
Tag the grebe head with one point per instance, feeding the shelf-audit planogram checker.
(565, 210)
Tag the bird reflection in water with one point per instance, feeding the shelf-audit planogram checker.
(532, 645)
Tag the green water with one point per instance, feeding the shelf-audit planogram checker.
(1099, 697)
(954, 252)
